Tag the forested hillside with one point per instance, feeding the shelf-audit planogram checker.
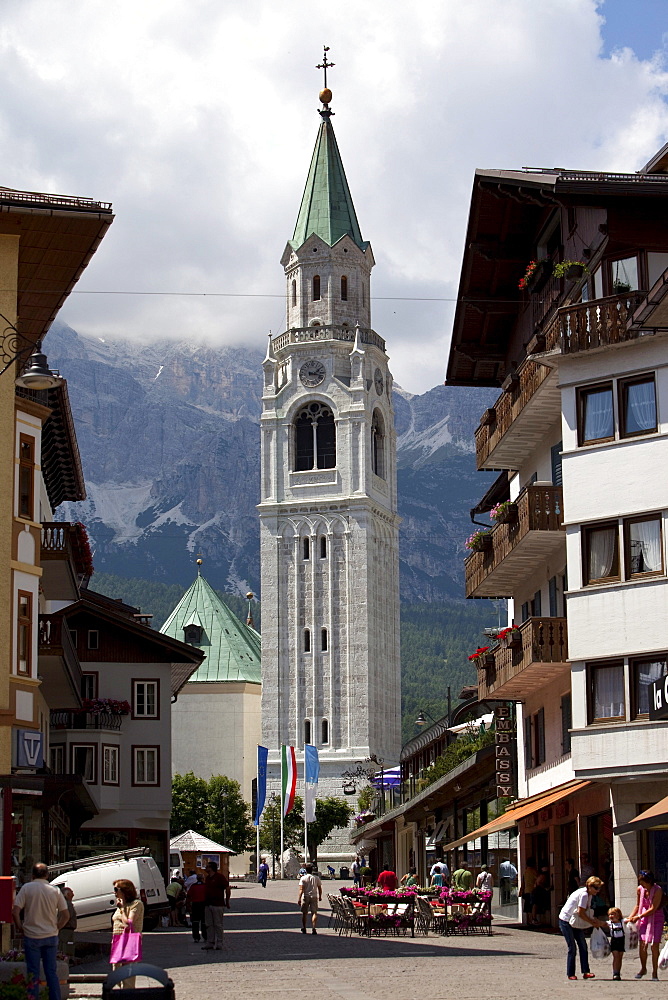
(436, 639)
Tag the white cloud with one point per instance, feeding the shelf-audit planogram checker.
(197, 120)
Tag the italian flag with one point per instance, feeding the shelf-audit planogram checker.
(288, 777)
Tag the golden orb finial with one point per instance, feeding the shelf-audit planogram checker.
(250, 595)
(326, 96)
(199, 562)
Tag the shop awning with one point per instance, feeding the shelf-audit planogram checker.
(525, 807)
(654, 818)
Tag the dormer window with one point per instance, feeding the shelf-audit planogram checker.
(192, 634)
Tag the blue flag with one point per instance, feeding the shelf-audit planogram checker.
(262, 754)
(311, 775)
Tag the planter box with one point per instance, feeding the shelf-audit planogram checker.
(8, 969)
(483, 543)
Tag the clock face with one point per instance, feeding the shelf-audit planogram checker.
(378, 381)
(312, 373)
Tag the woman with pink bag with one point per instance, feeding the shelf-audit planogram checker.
(127, 923)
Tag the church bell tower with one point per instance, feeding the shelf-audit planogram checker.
(328, 510)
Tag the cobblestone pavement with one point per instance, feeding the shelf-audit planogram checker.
(265, 958)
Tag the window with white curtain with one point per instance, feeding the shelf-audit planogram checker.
(643, 546)
(606, 692)
(596, 414)
(601, 553)
(637, 406)
(644, 672)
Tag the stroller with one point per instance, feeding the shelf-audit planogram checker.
(331, 871)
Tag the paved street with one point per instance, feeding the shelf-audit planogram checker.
(265, 958)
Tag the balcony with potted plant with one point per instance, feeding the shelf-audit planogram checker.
(515, 545)
(523, 659)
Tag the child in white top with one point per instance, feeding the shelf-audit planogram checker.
(617, 940)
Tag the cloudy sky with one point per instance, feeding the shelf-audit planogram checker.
(197, 119)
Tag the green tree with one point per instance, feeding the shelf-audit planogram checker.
(366, 797)
(190, 798)
(228, 818)
(270, 826)
(329, 814)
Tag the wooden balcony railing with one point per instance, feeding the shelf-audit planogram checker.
(498, 420)
(599, 323)
(539, 509)
(518, 664)
(64, 540)
(55, 640)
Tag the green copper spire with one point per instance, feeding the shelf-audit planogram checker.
(327, 208)
(232, 648)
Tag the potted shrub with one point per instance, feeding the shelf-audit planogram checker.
(479, 541)
(367, 876)
(504, 512)
(571, 269)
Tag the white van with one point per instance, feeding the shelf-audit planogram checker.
(92, 882)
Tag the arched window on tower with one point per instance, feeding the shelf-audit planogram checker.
(306, 548)
(344, 288)
(324, 643)
(315, 438)
(316, 287)
(323, 547)
(294, 293)
(307, 640)
(378, 444)
(324, 732)
(307, 731)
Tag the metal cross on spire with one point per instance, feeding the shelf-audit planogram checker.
(325, 65)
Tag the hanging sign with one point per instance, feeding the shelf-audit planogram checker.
(506, 752)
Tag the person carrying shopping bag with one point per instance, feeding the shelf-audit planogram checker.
(127, 924)
(575, 916)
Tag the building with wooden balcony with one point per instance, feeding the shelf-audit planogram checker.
(563, 305)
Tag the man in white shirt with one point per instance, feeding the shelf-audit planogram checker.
(310, 894)
(484, 880)
(44, 913)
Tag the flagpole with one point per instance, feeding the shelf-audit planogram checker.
(305, 813)
(282, 811)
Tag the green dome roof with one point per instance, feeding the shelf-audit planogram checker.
(232, 648)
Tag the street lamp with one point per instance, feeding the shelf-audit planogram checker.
(421, 719)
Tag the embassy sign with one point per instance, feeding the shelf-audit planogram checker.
(658, 699)
(505, 746)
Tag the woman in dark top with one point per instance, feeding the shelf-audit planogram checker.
(572, 876)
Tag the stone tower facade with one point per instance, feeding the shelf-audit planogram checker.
(328, 510)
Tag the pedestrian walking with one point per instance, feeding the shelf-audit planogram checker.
(617, 940)
(527, 887)
(310, 894)
(507, 877)
(648, 915)
(388, 880)
(44, 913)
(574, 917)
(263, 873)
(485, 880)
(572, 876)
(176, 898)
(462, 879)
(126, 926)
(66, 933)
(196, 907)
(440, 866)
(217, 899)
(357, 872)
